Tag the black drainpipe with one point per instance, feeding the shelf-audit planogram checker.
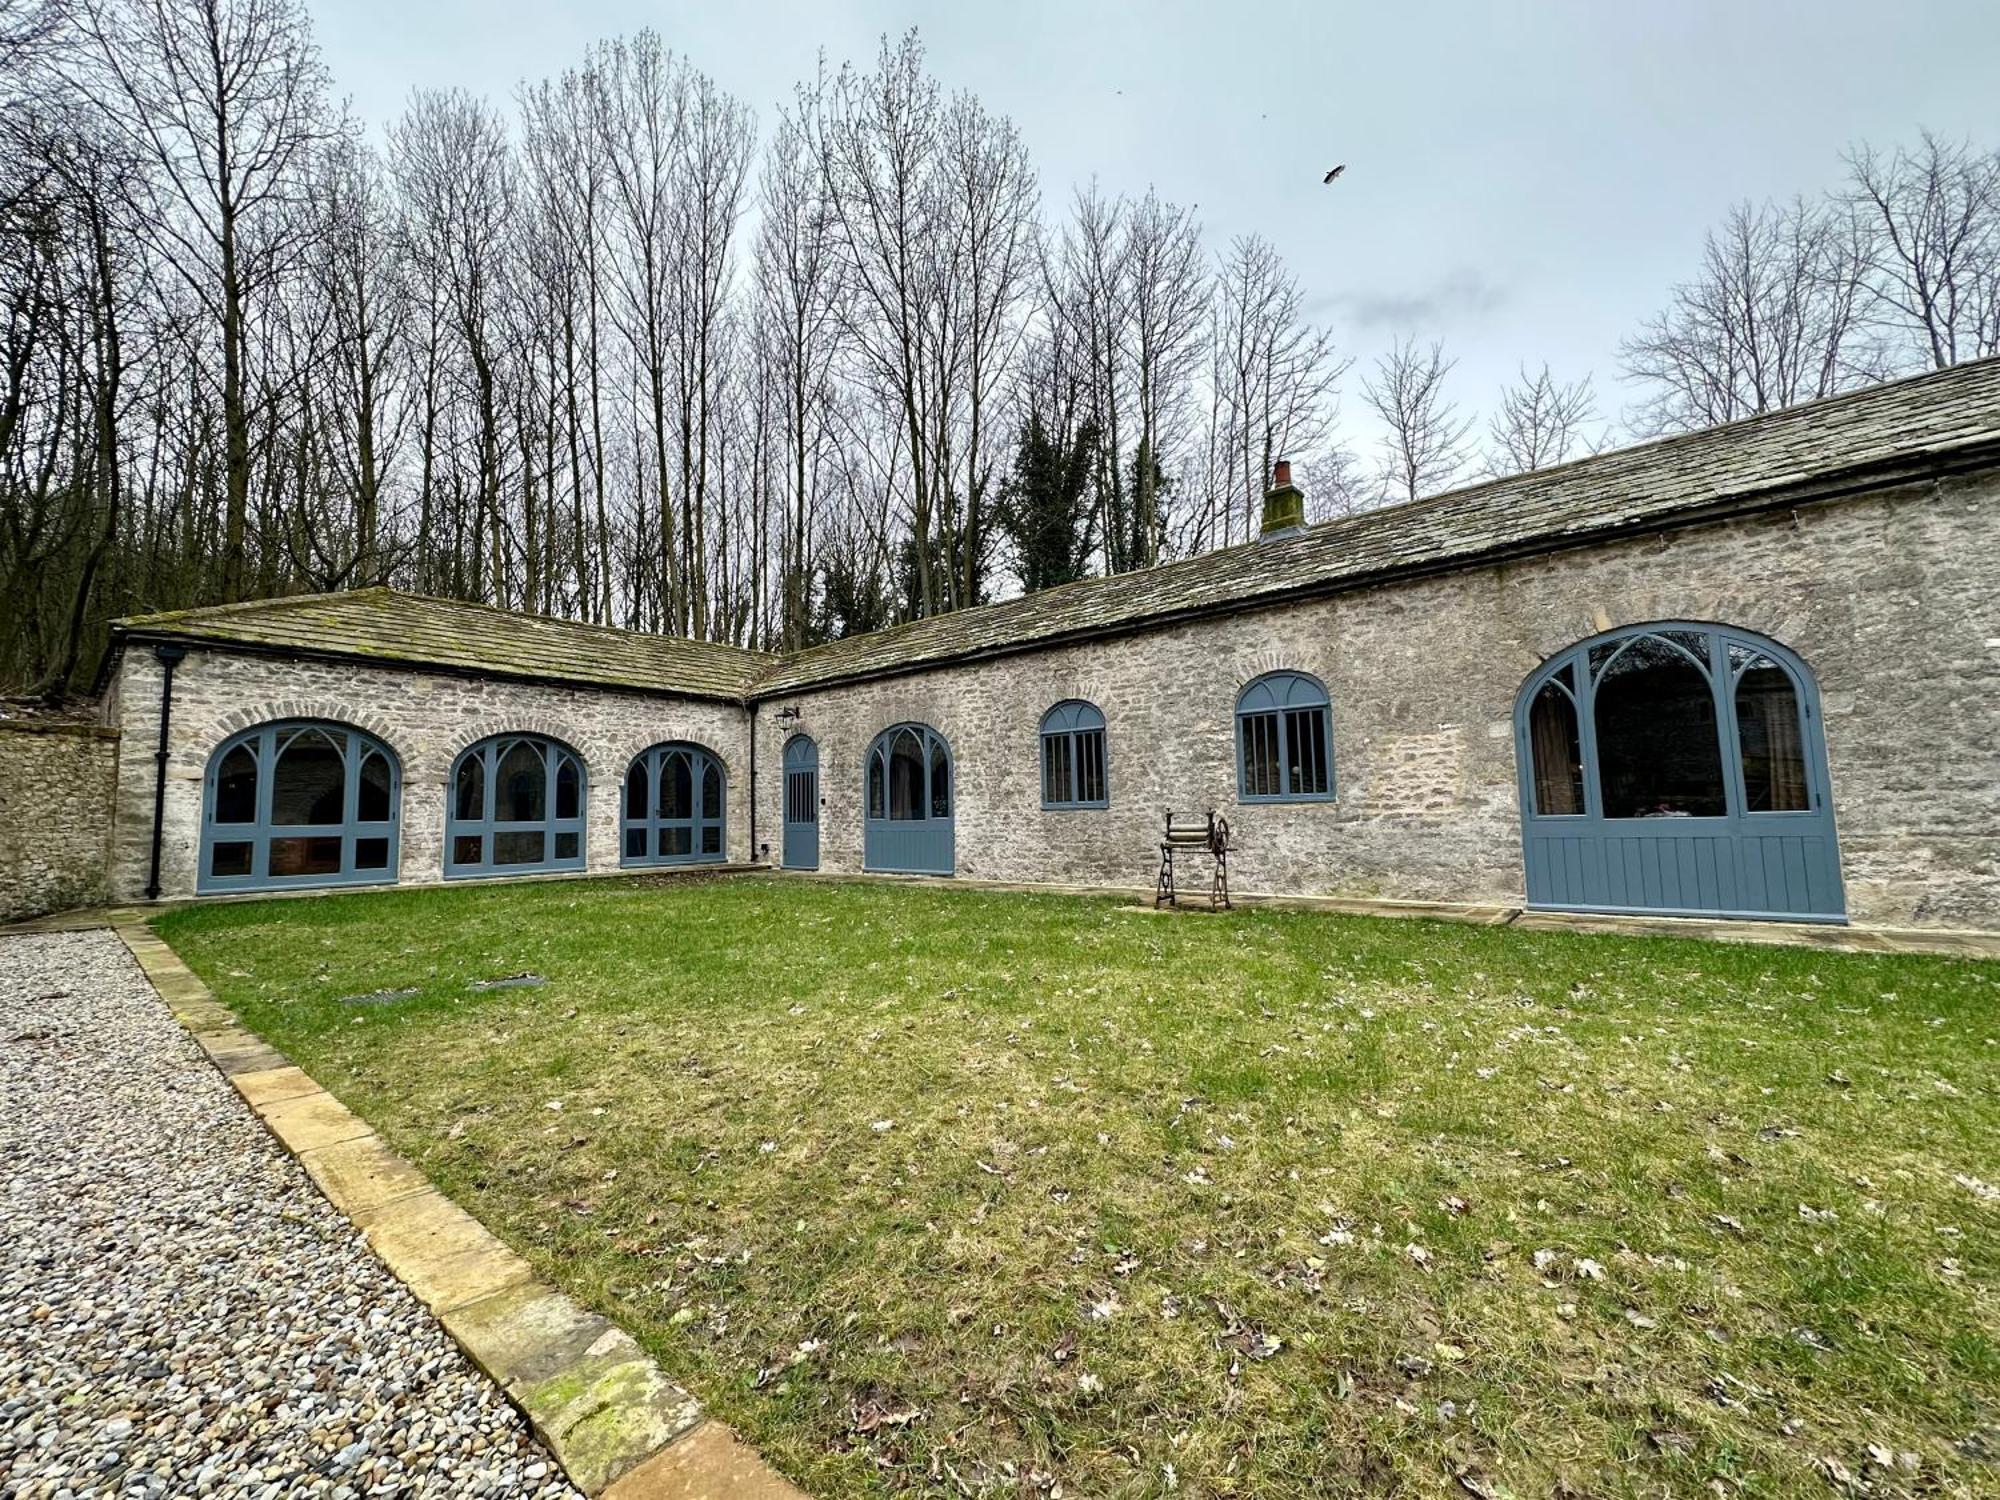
(753, 779)
(169, 656)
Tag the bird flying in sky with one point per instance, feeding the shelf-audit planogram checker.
(1333, 174)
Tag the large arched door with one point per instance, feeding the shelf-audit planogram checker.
(801, 843)
(1677, 769)
(908, 827)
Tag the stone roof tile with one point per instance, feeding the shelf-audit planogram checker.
(380, 624)
(1875, 436)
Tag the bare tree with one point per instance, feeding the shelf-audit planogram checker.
(640, 118)
(226, 98)
(1277, 381)
(1934, 213)
(452, 165)
(1541, 421)
(356, 272)
(798, 319)
(705, 201)
(1168, 310)
(1423, 445)
(1775, 317)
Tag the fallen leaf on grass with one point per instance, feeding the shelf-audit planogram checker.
(876, 1412)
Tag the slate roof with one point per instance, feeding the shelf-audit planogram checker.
(1907, 426)
(1887, 433)
(385, 625)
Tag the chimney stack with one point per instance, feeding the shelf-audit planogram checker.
(1284, 502)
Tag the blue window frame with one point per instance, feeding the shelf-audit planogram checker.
(516, 805)
(299, 803)
(675, 808)
(1284, 740)
(1073, 765)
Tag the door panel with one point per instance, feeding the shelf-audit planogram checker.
(802, 819)
(1684, 844)
(908, 800)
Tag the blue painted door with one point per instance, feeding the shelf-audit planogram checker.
(1677, 769)
(801, 842)
(908, 802)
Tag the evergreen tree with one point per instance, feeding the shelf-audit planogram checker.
(1045, 510)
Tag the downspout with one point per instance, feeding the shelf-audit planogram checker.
(169, 656)
(753, 779)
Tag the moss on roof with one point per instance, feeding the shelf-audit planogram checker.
(1910, 424)
(1873, 437)
(381, 624)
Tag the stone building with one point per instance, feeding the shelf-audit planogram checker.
(1751, 671)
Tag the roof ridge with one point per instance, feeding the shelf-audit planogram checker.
(199, 612)
(541, 618)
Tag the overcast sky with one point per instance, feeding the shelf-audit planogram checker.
(1524, 180)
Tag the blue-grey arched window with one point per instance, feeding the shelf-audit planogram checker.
(299, 803)
(674, 807)
(1073, 770)
(516, 804)
(1284, 740)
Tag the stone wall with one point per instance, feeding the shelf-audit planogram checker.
(1892, 599)
(56, 787)
(426, 718)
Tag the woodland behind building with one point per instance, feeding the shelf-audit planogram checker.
(617, 349)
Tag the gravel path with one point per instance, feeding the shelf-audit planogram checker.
(181, 1313)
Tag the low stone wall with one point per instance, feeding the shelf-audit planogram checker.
(58, 783)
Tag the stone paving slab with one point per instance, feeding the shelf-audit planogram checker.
(597, 1401)
(710, 1463)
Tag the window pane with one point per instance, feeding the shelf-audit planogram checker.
(371, 854)
(309, 786)
(1056, 768)
(569, 787)
(1556, 751)
(711, 790)
(1767, 727)
(940, 780)
(468, 803)
(1259, 734)
(468, 849)
(1305, 746)
(372, 798)
(676, 787)
(906, 778)
(236, 789)
(1658, 754)
(675, 842)
(518, 848)
(1090, 765)
(229, 859)
(711, 839)
(635, 843)
(878, 802)
(635, 789)
(319, 856)
(567, 845)
(520, 785)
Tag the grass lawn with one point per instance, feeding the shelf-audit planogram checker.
(960, 1192)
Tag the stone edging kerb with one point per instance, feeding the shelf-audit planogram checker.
(618, 1426)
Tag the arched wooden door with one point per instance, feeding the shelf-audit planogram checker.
(801, 829)
(1677, 769)
(908, 825)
